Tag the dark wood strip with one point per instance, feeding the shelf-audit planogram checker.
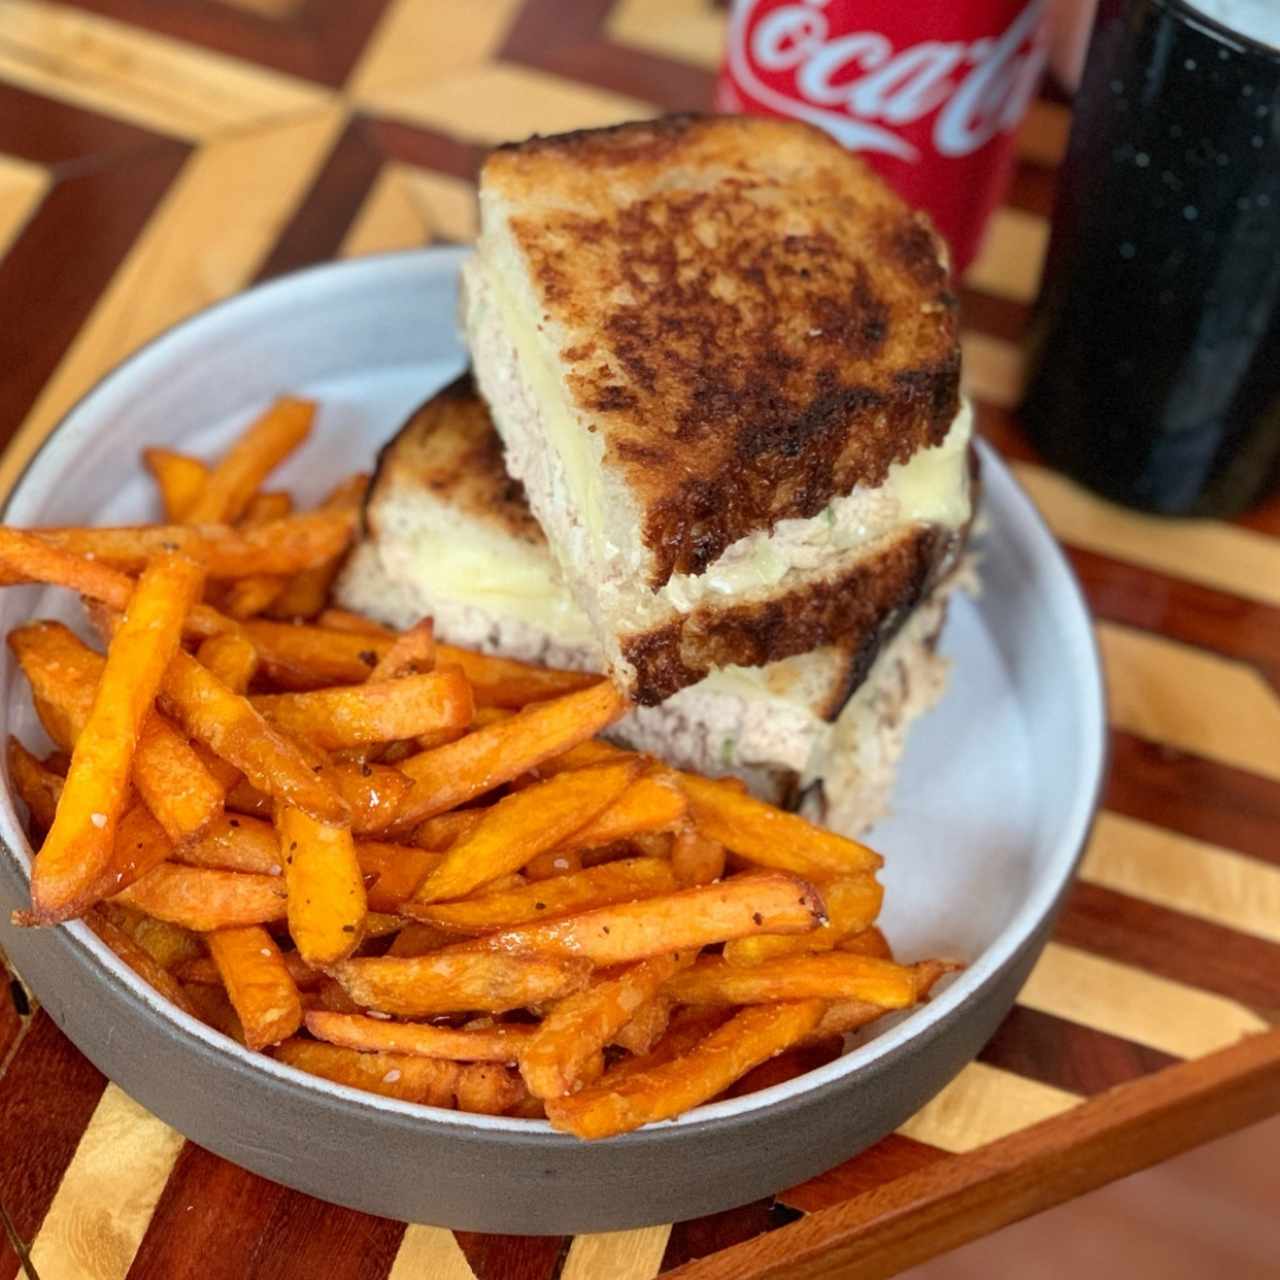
(1067, 1055)
(307, 1237)
(1173, 945)
(995, 317)
(46, 1098)
(320, 42)
(1000, 428)
(1181, 610)
(579, 51)
(1033, 189)
(499, 1257)
(426, 148)
(1197, 797)
(11, 1022)
(1265, 518)
(948, 1202)
(702, 1236)
(52, 133)
(203, 1195)
(891, 1158)
(324, 214)
(61, 262)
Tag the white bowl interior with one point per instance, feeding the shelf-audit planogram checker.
(999, 783)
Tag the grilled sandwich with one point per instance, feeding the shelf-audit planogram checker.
(449, 534)
(723, 359)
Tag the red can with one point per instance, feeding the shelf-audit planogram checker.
(929, 91)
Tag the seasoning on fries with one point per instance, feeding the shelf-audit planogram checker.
(398, 864)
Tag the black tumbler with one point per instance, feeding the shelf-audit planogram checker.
(1156, 339)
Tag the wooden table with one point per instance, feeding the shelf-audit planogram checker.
(157, 155)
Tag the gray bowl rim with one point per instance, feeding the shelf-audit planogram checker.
(893, 1048)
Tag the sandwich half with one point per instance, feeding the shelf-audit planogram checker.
(723, 359)
(448, 534)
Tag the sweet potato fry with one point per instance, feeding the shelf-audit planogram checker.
(647, 1026)
(613, 882)
(202, 970)
(486, 758)
(441, 982)
(580, 1025)
(234, 842)
(867, 942)
(64, 674)
(498, 1043)
(852, 903)
(697, 860)
(504, 682)
(307, 592)
(749, 1038)
(685, 1028)
(810, 1054)
(354, 623)
(179, 478)
(282, 546)
(373, 794)
(832, 975)
(214, 1009)
(304, 657)
(232, 658)
(381, 711)
(248, 597)
(417, 939)
(487, 1089)
(229, 724)
(258, 983)
(140, 844)
(412, 653)
(202, 899)
(259, 450)
(523, 825)
(768, 902)
(653, 802)
(38, 787)
(265, 507)
(140, 961)
(398, 870)
(327, 903)
(431, 1081)
(769, 837)
(445, 830)
(843, 1016)
(77, 849)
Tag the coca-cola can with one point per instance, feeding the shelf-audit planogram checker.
(930, 93)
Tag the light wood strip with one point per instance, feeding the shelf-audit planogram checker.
(388, 219)
(1196, 701)
(1133, 1004)
(1186, 875)
(150, 80)
(992, 370)
(421, 40)
(22, 187)
(1224, 556)
(620, 1255)
(1012, 256)
(108, 1193)
(430, 1252)
(686, 30)
(448, 204)
(500, 101)
(204, 242)
(1042, 138)
(983, 1104)
(277, 9)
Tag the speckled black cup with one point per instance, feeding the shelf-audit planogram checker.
(1158, 326)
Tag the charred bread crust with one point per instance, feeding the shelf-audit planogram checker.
(448, 447)
(748, 349)
(850, 608)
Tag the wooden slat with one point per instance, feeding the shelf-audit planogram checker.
(672, 28)
(890, 1159)
(621, 1255)
(47, 1095)
(1011, 256)
(923, 1214)
(992, 370)
(107, 1193)
(981, 1105)
(22, 186)
(140, 77)
(502, 1257)
(1195, 701)
(1200, 879)
(700, 1236)
(430, 1251)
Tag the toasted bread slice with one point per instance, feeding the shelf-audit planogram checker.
(448, 535)
(714, 349)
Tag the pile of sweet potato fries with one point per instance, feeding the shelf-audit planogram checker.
(400, 865)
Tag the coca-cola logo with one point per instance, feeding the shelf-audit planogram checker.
(820, 61)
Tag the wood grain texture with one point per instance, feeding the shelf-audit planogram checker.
(430, 1251)
(47, 1095)
(946, 1204)
(501, 1257)
(890, 1159)
(621, 1255)
(22, 186)
(700, 1236)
